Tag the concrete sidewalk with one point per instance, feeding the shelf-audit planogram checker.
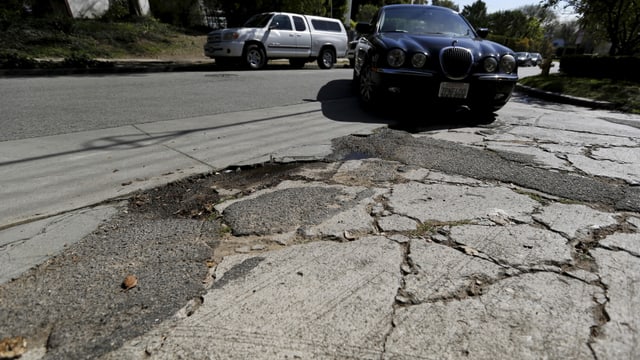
(409, 278)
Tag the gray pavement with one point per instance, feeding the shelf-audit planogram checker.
(445, 244)
(419, 268)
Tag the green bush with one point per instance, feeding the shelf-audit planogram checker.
(601, 67)
(13, 60)
(118, 10)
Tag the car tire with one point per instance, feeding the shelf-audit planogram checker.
(326, 59)
(254, 57)
(368, 90)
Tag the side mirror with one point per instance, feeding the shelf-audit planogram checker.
(274, 25)
(482, 32)
(364, 28)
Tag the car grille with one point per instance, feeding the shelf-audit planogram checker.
(456, 62)
(214, 37)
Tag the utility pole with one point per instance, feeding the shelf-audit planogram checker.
(347, 16)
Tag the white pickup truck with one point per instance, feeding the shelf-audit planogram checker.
(298, 38)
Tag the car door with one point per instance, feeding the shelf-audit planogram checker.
(303, 36)
(281, 37)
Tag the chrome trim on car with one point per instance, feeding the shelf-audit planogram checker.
(403, 72)
(497, 77)
(456, 62)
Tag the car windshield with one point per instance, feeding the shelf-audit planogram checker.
(258, 21)
(424, 22)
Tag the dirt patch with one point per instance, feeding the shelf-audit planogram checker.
(195, 197)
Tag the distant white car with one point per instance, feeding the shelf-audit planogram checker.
(523, 58)
(536, 59)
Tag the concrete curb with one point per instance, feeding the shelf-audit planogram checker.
(565, 99)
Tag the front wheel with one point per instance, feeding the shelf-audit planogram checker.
(254, 57)
(326, 59)
(368, 90)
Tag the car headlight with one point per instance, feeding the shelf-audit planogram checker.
(228, 36)
(395, 57)
(507, 64)
(418, 60)
(490, 64)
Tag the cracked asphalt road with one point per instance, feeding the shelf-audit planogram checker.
(516, 240)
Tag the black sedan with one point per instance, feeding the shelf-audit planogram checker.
(434, 55)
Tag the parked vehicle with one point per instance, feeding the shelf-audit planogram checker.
(298, 38)
(351, 52)
(434, 54)
(536, 59)
(523, 58)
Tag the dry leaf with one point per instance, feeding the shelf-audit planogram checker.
(12, 347)
(469, 250)
(129, 282)
(348, 235)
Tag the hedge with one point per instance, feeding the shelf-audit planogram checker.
(601, 67)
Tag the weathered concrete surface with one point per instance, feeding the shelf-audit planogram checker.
(531, 316)
(318, 300)
(620, 275)
(24, 247)
(495, 271)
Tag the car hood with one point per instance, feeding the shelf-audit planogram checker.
(433, 43)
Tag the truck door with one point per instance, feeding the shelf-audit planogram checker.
(281, 37)
(303, 36)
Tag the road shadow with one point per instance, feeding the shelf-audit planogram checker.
(340, 103)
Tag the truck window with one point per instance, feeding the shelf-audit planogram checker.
(281, 22)
(324, 25)
(258, 21)
(299, 23)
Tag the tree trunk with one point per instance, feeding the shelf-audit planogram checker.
(547, 57)
(134, 8)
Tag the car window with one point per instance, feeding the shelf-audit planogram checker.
(258, 21)
(298, 21)
(281, 22)
(424, 21)
(325, 25)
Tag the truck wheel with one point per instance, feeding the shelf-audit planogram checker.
(326, 59)
(254, 57)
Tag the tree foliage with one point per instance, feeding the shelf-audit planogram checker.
(177, 12)
(366, 12)
(616, 20)
(238, 12)
(446, 3)
(476, 13)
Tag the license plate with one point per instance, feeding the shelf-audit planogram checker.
(453, 90)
